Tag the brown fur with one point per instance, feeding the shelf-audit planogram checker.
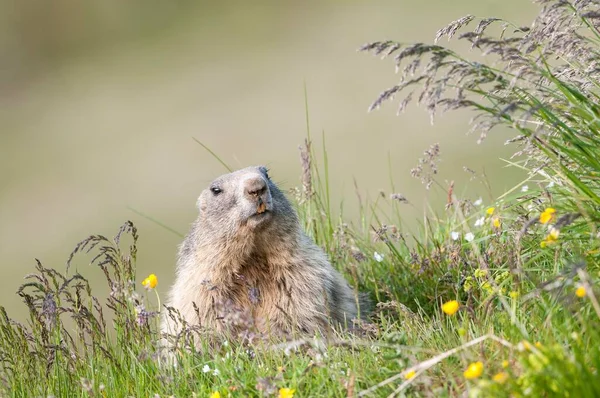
(237, 256)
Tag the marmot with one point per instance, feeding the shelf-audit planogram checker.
(247, 251)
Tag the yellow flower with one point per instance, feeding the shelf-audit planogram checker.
(547, 215)
(551, 238)
(505, 364)
(410, 374)
(496, 222)
(500, 377)
(468, 285)
(150, 282)
(538, 344)
(487, 286)
(580, 292)
(215, 394)
(450, 307)
(490, 210)
(286, 392)
(513, 294)
(479, 273)
(524, 346)
(474, 370)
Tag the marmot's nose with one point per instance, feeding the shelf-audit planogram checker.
(255, 187)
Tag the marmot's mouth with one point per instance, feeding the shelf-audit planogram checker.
(262, 207)
(263, 213)
(259, 218)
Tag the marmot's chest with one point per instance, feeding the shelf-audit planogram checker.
(257, 289)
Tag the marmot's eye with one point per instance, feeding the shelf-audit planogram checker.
(266, 171)
(216, 190)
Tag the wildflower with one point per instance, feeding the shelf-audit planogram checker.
(550, 184)
(480, 273)
(462, 332)
(490, 211)
(538, 344)
(505, 364)
(547, 215)
(487, 287)
(142, 315)
(216, 372)
(215, 394)
(580, 292)
(474, 370)
(513, 294)
(450, 307)
(524, 346)
(469, 236)
(378, 257)
(551, 238)
(205, 369)
(286, 392)
(500, 377)
(496, 222)
(502, 276)
(455, 235)
(150, 282)
(480, 222)
(478, 202)
(410, 374)
(524, 188)
(468, 284)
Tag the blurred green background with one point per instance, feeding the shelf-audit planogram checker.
(100, 101)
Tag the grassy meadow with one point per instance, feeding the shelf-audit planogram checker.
(488, 299)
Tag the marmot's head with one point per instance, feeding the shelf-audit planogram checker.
(248, 199)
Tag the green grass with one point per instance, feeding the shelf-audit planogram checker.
(528, 313)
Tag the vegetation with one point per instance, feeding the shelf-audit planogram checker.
(497, 299)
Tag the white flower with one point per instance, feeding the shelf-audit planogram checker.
(524, 188)
(480, 222)
(216, 372)
(206, 369)
(478, 202)
(455, 235)
(378, 257)
(550, 184)
(469, 236)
